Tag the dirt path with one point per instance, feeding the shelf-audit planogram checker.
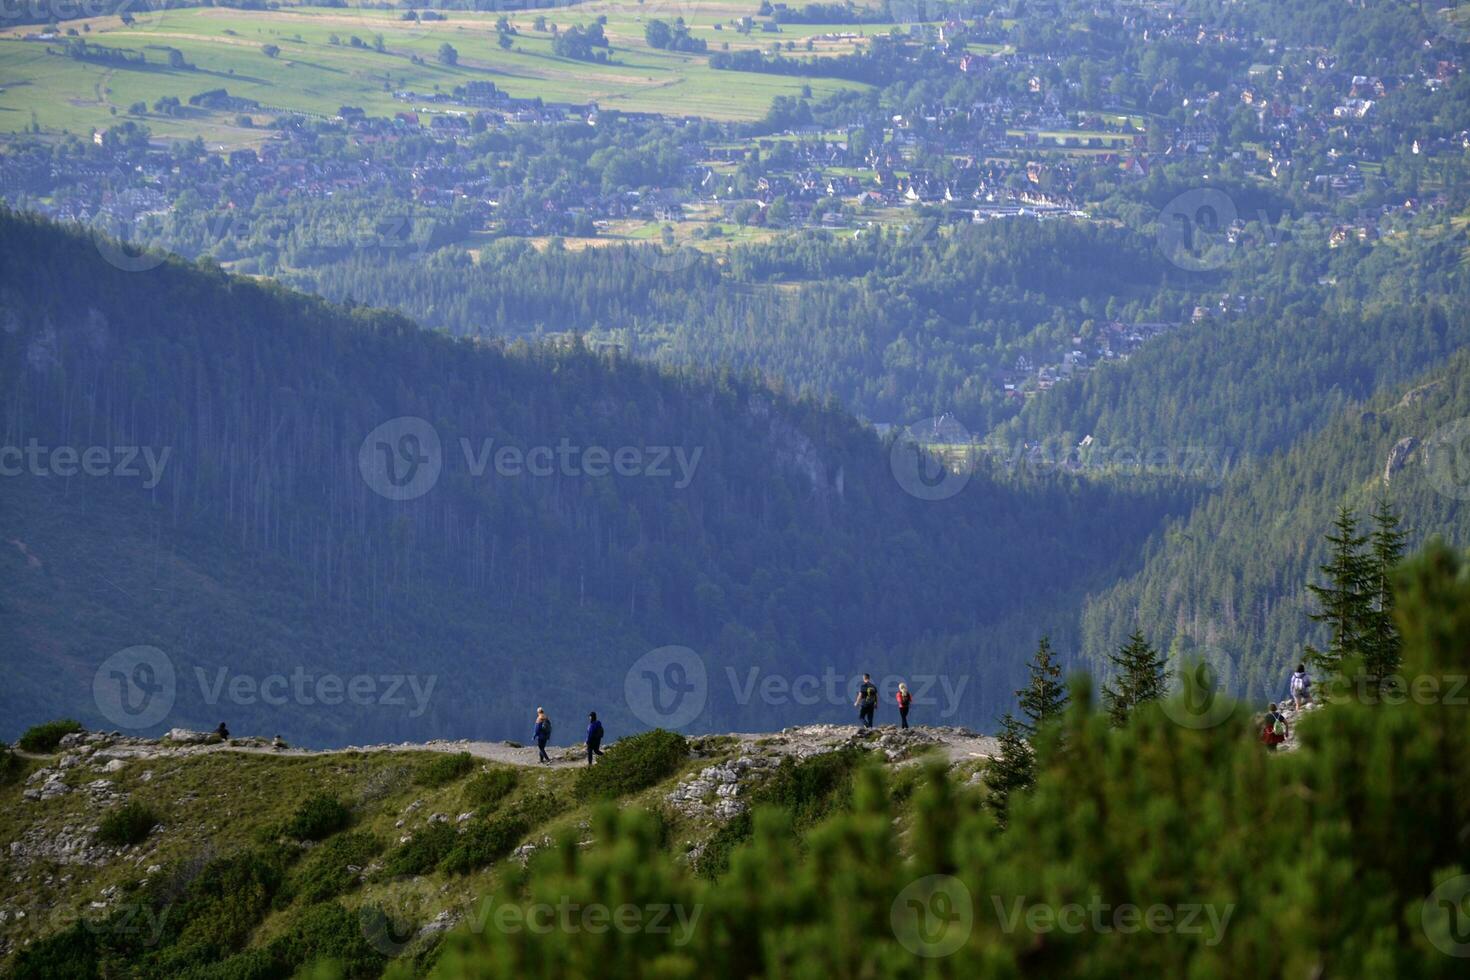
(958, 745)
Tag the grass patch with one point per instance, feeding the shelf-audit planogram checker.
(45, 738)
(445, 769)
(632, 764)
(422, 852)
(326, 872)
(129, 824)
(486, 789)
(484, 844)
(318, 818)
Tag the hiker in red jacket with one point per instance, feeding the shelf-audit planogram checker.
(1274, 730)
(904, 700)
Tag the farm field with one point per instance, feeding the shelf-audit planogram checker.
(318, 66)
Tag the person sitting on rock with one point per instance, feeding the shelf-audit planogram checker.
(222, 732)
(594, 736)
(278, 743)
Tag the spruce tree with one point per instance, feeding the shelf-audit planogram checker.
(1345, 599)
(1044, 696)
(1381, 642)
(1141, 677)
(1014, 769)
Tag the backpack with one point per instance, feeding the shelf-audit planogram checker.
(1279, 728)
(1299, 682)
(904, 699)
(870, 696)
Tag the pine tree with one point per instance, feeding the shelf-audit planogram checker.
(1044, 697)
(1014, 769)
(1382, 643)
(1141, 677)
(1345, 599)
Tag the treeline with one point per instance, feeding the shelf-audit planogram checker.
(1151, 848)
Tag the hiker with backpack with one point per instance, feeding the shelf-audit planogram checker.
(904, 700)
(594, 736)
(1274, 730)
(1301, 687)
(867, 701)
(542, 733)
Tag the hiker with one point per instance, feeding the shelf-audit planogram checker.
(867, 701)
(1301, 687)
(1274, 730)
(904, 700)
(278, 743)
(222, 732)
(542, 733)
(594, 736)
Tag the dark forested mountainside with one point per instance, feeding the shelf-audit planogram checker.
(1228, 582)
(277, 526)
(898, 326)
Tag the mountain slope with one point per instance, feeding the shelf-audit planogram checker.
(333, 498)
(1229, 581)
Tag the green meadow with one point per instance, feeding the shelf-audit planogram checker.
(318, 68)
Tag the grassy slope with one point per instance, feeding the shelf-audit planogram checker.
(221, 802)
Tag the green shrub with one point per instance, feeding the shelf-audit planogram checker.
(318, 818)
(11, 765)
(632, 764)
(445, 769)
(422, 852)
(484, 844)
(486, 789)
(807, 790)
(45, 738)
(127, 825)
(537, 808)
(323, 874)
(319, 933)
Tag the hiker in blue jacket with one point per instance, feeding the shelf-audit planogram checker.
(594, 736)
(542, 733)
